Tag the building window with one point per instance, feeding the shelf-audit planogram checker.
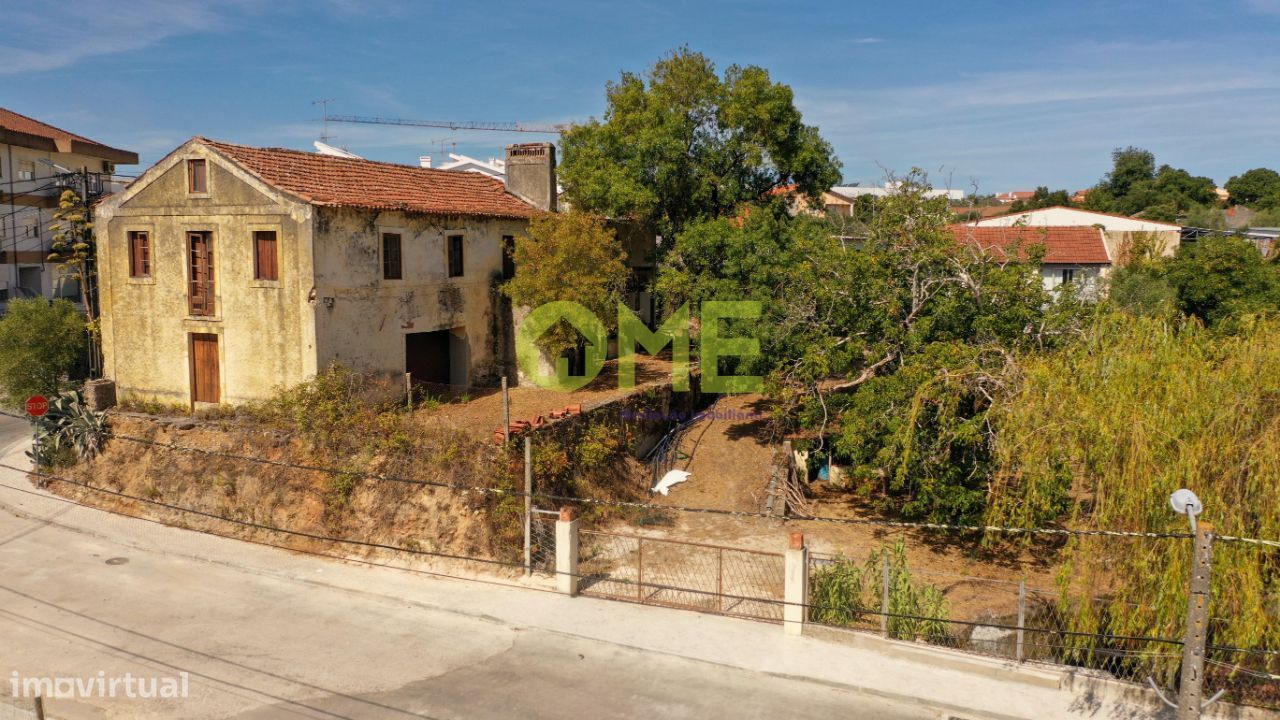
(200, 273)
(197, 176)
(26, 169)
(265, 264)
(455, 256)
(508, 257)
(139, 253)
(1068, 275)
(390, 256)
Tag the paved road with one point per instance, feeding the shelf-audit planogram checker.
(267, 634)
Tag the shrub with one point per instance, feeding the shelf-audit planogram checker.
(68, 431)
(843, 592)
(44, 348)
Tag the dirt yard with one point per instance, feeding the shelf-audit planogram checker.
(482, 414)
(729, 456)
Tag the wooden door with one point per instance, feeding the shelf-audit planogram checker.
(204, 368)
(426, 357)
(200, 267)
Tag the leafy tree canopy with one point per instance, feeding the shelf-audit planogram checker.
(569, 256)
(1042, 198)
(681, 142)
(43, 348)
(1136, 186)
(1258, 188)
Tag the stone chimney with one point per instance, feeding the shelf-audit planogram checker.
(531, 173)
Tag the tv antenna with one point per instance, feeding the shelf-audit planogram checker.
(325, 137)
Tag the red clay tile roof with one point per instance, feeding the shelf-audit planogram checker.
(1065, 245)
(43, 136)
(346, 182)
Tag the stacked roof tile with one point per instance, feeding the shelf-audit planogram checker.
(1063, 245)
(357, 183)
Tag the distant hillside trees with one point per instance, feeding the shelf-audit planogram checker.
(1258, 188)
(1136, 186)
(1042, 198)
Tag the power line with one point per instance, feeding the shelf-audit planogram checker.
(490, 561)
(450, 124)
(641, 505)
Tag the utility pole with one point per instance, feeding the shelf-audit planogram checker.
(1191, 690)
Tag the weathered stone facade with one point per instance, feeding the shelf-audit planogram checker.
(329, 303)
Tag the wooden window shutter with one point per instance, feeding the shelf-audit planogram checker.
(139, 253)
(266, 264)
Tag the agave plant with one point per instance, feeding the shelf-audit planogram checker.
(69, 425)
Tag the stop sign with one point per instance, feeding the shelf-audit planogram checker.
(37, 405)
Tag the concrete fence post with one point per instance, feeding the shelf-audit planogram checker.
(795, 585)
(528, 504)
(1022, 620)
(567, 551)
(1197, 632)
(884, 593)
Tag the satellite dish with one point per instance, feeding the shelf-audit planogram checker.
(1185, 502)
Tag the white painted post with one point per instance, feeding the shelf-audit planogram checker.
(408, 390)
(1022, 619)
(567, 551)
(528, 504)
(795, 586)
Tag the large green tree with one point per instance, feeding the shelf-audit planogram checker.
(682, 142)
(890, 344)
(1258, 188)
(569, 256)
(43, 348)
(1136, 186)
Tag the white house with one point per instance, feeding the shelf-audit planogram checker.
(1071, 254)
(1118, 230)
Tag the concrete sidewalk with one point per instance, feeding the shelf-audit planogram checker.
(931, 680)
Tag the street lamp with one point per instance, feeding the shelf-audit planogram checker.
(1185, 502)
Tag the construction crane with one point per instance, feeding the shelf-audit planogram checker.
(450, 124)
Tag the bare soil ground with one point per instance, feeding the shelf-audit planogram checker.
(729, 458)
(481, 415)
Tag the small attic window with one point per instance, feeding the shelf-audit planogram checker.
(197, 176)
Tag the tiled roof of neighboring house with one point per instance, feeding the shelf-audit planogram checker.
(1074, 245)
(18, 129)
(1099, 213)
(348, 182)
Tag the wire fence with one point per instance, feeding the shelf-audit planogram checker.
(674, 573)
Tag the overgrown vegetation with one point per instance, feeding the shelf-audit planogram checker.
(43, 348)
(1101, 432)
(69, 432)
(846, 594)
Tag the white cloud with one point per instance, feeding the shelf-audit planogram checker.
(59, 35)
(1055, 121)
(867, 40)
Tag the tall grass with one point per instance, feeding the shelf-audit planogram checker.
(1100, 433)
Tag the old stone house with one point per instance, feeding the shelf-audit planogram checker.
(228, 272)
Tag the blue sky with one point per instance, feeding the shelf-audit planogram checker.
(1005, 94)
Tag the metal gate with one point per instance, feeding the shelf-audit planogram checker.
(696, 576)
